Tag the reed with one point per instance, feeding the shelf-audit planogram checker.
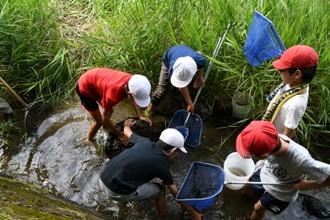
(34, 58)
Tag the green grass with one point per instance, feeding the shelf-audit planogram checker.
(8, 130)
(46, 45)
(34, 58)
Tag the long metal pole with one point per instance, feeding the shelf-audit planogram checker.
(215, 53)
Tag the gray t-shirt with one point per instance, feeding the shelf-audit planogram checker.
(294, 166)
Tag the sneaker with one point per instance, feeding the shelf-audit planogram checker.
(147, 113)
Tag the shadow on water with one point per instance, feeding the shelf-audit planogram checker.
(58, 159)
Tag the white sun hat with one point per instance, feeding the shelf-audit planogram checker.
(140, 87)
(184, 70)
(174, 138)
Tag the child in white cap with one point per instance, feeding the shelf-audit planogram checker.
(128, 176)
(180, 64)
(108, 87)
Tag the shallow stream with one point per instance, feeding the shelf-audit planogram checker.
(56, 158)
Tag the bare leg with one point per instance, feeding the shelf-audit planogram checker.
(95, 126)
(259, 212)
(162, 88)
(160, 203)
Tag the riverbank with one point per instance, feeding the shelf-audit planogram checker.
(19, 200)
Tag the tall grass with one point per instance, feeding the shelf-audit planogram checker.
(52, 42)
(34, 59)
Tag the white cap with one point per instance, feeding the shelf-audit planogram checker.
(139, 86)
(174, 138)
(184, 70)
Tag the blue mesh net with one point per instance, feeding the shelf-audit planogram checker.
(202, 184)
(262, 42)
(194, 127)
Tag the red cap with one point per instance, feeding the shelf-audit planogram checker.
(299, 56)
(258, 137)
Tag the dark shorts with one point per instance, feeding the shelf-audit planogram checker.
(268, 201)
(89, 104)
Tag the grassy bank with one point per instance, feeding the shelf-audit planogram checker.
(23, 201)
(46, 46)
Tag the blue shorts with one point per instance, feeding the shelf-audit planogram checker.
(147, 191)
(268, 201)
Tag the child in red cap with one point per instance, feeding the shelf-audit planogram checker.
(285, 162)
(288, 101)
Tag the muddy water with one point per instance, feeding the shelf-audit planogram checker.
(56, 158)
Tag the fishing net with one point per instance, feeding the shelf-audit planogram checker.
(262, 42)
(35, 113)
(194, 126)
(202, 184)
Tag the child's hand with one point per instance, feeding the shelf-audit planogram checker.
(146, 120)
(129, 122)
(123, 138)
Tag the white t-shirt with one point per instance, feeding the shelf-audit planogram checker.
(292, 110)
(292, 167)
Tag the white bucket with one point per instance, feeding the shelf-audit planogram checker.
(241, 103)
(238, 168)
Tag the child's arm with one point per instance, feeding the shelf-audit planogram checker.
(136, 109)
(312, 184)
(185, 93)
(288, 132)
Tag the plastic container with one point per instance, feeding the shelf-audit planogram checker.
(241, 103)
(238, 168)
(202, 184)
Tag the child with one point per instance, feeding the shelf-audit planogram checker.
(285, 162)
(179, 66)
(108, 87)
(288, 101)
(128, 176)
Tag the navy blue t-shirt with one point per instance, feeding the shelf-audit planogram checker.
(136, 166)
(175, 52)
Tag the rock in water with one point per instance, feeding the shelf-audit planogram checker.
(315, 207)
